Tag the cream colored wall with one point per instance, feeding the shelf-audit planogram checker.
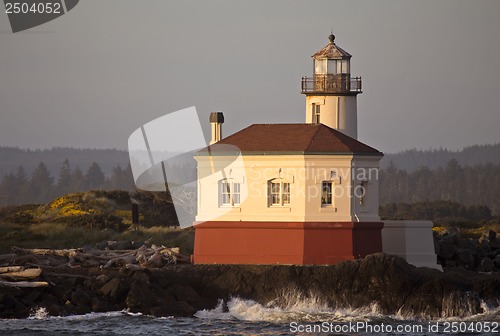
(338, 112)
(319, 169)
(253, 173)
(305, 175)
(366, 169)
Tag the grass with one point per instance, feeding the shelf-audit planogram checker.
(80, 219)
(469, 232)
(60, 236)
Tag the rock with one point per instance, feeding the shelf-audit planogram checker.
(8, 301)
(100, 306)
(32, 296)
(486, 265)
(490, 236)
(465, 244)
(54, 310)
(493, 236)
(115, 289)
(80, 298)
(80, 310)
(496, 261)
(185, 293)
(102, 278)
(161, 278)
(380, 280)
(465, 258)
(179, 309)
(47, 300)
(141, 277)
(483, 248)
(183, 309)
(139, 297)
(450, 263)
(448, 247)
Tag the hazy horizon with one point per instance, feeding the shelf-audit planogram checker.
(91, 77)
(126, 150)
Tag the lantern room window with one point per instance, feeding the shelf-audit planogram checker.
(336, 67)
(331, 66)
(320, 66)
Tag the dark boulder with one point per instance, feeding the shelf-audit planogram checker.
(115, 289)
(465, 258)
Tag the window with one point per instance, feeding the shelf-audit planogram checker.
(320, 66)
(286, 193)
(279, 193)
(326, 193)
(332, 67)
(345, 66)
(229, 193)
(275, 194)
(315, 113)
(226, 193)
(236, 193)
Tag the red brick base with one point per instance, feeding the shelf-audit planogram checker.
(301, 243)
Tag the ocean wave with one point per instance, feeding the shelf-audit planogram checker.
(311, 309)
(42, 314)
(301, 310)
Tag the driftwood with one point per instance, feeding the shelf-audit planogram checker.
(23, 284)
(22, 274)
(7, 256)
(9, 269)
(49, 252)
(64, 275)
(140, 258)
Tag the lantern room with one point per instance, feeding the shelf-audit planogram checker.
(332, 72)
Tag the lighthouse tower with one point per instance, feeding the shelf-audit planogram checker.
(331, 92)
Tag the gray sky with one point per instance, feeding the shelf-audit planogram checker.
(430, 69)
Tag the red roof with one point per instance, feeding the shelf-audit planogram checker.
(291, 139)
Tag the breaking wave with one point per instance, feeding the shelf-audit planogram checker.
(297, 307)
(310, 310)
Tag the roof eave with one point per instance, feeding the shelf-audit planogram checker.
(281, 153)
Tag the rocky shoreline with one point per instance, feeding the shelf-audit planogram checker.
(181, 290)
(482, 254)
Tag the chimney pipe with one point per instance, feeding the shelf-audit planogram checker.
(216, 121)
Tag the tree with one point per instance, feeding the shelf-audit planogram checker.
(94, 177)
(64, 180)
(121, 179)
(41, 184)
(22, 185)
(77, 180)
(8, 188)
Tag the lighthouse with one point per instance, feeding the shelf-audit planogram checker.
(331, 92)
(303, 194)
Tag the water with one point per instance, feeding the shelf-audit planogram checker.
(245, 317)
